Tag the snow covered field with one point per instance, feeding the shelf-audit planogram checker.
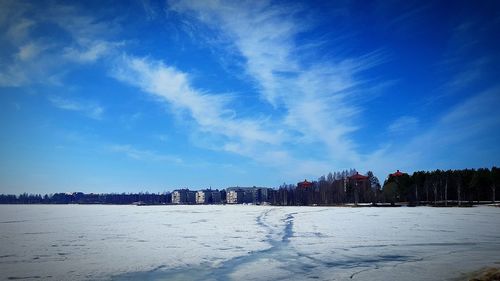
(95, 242)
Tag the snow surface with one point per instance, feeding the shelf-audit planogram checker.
(239, 242)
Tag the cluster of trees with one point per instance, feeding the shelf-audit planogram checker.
(334, 189)
(444, 187)
(91, 198)
(451, 187)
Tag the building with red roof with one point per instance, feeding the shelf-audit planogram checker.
(304, 184)
(358, 177)
(398, 174)
(360, 187)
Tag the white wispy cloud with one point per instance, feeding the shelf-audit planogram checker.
(13, 19)
(90, 109)
(468, 61)
(403, 124)
(143, 155)
(19, 30)
(315, 102)
(91, 53)
(460, 133)
(210, 111)
(29, 51)
(218, 127)
(36, 58)
(318, 97)
(264, 34)
(161, 137)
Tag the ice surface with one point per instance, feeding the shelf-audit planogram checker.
(240, 242)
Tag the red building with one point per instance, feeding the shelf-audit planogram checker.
(397, 174)
(304, 184)
(360, 188)
(358, 177)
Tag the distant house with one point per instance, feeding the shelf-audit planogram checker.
(306, 191)
(359, 178)
(183, 196)
(360, 187)
(397, 174)
(304, 184)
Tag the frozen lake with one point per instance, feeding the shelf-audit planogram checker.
(95, 242)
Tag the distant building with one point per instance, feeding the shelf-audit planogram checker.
(263, 195)
(249, 195)
(202, 197)
(235, 196)
(223, 195)
(397, 174)
(208, 196)
(358, 177)
(361, 187)
(304, 184)
(191, 197)
(178, 196)
(183, 196)
(306, 192)
(216, 197)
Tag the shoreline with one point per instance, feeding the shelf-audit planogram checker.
(349, 205)
(486, 273)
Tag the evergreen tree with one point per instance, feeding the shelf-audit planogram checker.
(495, 182)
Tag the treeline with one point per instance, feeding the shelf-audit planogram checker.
(91, 198)
(441, 187)
(451, 187)
(336, 188)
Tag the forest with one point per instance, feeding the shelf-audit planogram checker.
(438, 188)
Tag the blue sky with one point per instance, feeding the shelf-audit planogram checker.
(127, 96)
